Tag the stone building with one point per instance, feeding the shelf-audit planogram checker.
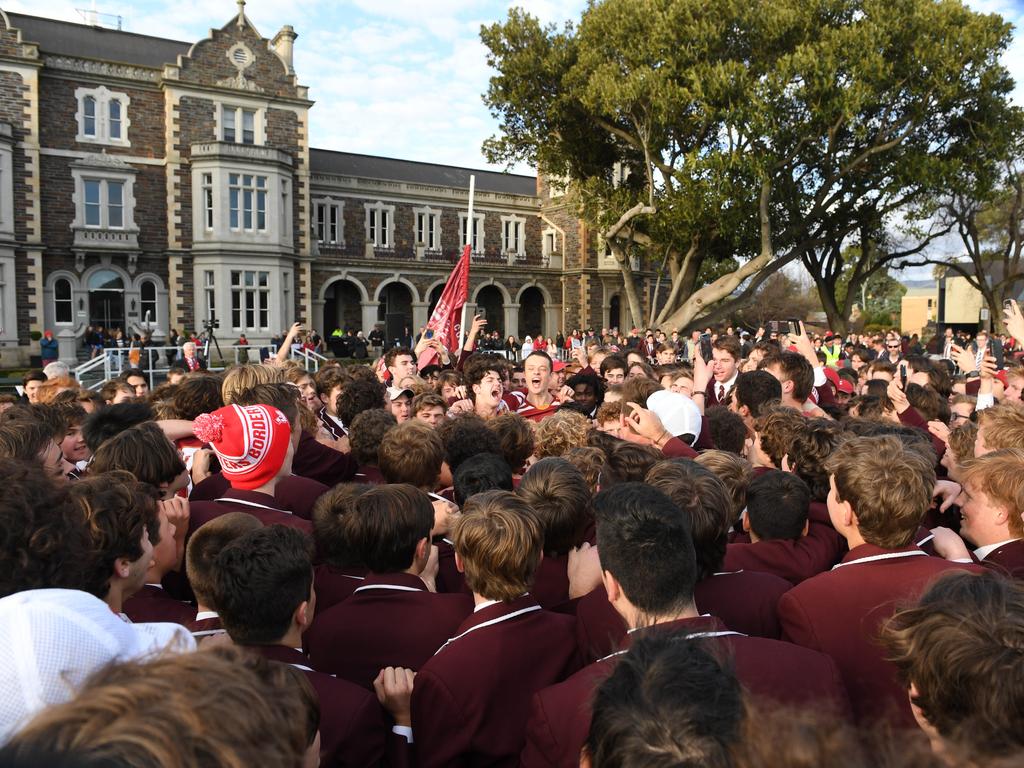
(151, 184)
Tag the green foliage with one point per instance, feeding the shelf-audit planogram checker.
(743, 132)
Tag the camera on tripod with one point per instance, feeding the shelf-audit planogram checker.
(211, 324)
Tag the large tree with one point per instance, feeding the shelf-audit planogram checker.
(724, 140)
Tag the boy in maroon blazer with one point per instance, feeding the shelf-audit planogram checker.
(152, 603)
(392, 619)
(559, 494)
(879, 494)
(200, 559)
(958, 653)
(649, 571)
(790, 536)
(991, 503)
(255, 445)
(341, 571)
(263, 590)
(469, 702)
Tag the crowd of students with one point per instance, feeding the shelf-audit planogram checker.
(748, 559)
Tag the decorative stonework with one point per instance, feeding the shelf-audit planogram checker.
(102, 68)
(241, 58)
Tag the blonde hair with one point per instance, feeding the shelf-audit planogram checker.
(50, 389)
(220, 707)
(734, 472)
(1003, 425)
(889, 512)
(239, 378)
(499, 540)
(560, 432)
(1000, 476)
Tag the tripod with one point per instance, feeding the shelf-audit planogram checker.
(211, 338)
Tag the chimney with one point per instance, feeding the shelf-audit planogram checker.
(284, 45)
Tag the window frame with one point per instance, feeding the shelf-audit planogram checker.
(250, 299)
(103, 204)
(380, 225)
(101, 99)
(58, 302)
(247, 202)
(239, 113)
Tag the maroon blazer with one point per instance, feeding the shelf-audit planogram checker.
(262, 506)
(318, 462)
(449, 579)
(746, 601)
(748, 598)
(293, 493)
(1007, 559)
(352, 729)
(791, 559)
(551, 582)
(470, 701)
(841, 611)
(333, 585)
(781, 672)
(390, 620)
(205, 624)
(153, 604)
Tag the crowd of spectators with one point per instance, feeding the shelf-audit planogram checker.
(774, 550)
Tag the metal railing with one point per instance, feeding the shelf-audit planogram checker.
(156, 362)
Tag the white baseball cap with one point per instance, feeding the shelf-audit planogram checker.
(52, 640)
(678, 413)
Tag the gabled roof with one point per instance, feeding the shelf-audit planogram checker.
(392, 169)
(88, 42)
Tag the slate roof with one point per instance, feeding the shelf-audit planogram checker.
(393, 169)
(88, 42)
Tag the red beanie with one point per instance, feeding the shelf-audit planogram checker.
(251, 442)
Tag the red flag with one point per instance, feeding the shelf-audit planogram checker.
(445, 322)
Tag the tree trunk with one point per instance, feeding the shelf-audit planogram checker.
(711, 294)
(838, 317)
(629, 284)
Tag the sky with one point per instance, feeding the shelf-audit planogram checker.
(398, 78)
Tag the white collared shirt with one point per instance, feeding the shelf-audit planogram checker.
(982, 552)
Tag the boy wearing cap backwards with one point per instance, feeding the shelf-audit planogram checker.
(255, 445)
(399, 402)
(470, 701)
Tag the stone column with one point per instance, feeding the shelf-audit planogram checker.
(511, 320)
(369, 315)
(67, 345)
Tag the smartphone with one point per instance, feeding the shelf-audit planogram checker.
(783, 326)
(1008, 304)
(429, 333)
(903, 375)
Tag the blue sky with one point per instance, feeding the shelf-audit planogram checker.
(400, 78)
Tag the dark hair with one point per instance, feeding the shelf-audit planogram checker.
(464, 436)
(728, 430)
(127, 374)
(476, 367)
(391, 354)
(24, 439)
(961, 648)
(810, 449)
(630, 461)
(591, 379)
(777, 505)
(729, 344)
(359, 395)
(143, 450)
(515, 435)
(329, 513)
(45, 414)
(540, 353)
(557, 491)
(206, 543)
(260, 579)
(366, 432)
(111, 419)
(196, 394)
(483, 472)
(670, 703)
(704, 501)
(755, 388)
(385, 524)
(614, 362)
(794, 368)
(116, 510)
(645, 543)
(43, 539)
(33, 375)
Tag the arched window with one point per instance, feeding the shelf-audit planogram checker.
(63, 306)
(105, 280)
(89, 116)
(147, 294)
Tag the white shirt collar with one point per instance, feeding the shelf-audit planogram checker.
(489, 603)
(728, 384)
(982, 552)
(204, 615)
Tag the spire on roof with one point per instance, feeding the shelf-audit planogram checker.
(241, 13)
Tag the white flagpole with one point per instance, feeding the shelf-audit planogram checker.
(470, 226)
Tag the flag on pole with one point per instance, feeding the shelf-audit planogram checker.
(445, 322)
